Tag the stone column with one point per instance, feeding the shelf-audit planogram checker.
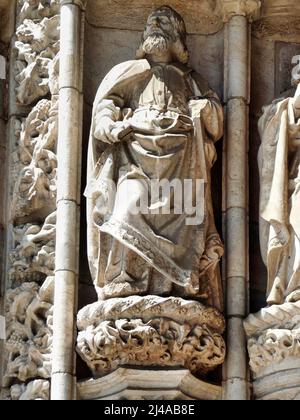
(237, 15)
(68, 200)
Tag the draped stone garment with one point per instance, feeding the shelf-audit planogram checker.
(172, 138)
(279, 159)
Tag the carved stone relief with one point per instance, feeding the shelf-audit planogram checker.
(35, 189)
(150, 331)
(29, 332)
(33, 257)
(35, 390)
(274, 350)
(30, 281)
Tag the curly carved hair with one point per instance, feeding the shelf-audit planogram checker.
(180, 51)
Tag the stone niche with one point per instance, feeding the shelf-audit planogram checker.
(273, 332)
(275, 40)
(112, 36)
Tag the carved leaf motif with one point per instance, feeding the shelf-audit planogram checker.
(34, 254)
(29, 332)
(35, 189)
(126, 331)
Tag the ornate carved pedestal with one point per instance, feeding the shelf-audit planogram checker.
(274, 349)
(151, 332)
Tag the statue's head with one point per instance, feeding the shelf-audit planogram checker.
(165, 31)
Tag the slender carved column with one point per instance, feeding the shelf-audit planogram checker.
(237, 14)
(68, 200)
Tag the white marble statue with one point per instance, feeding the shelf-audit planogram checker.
(279, 162)
(154, 118)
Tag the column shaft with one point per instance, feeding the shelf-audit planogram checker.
(236, 210)
(63, 386)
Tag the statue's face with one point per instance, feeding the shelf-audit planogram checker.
(159, 24)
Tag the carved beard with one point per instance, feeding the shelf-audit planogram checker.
(156, 43)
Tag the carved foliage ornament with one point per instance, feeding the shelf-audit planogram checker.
(29, 320)
(35, 390)
(150, 331)
(29, 301)
(37, 45)
(35, 189)
(33, 257)
(273, 335)
(37, 9)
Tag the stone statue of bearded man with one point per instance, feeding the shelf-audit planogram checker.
(154, 120)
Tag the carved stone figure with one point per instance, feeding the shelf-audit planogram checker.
(279, 161)
(35, 390)
(273, 333)
(154, 120)
(27, 351)
(33, 257)
(37, 45)
(35, 189)
(154, 259)
(29, 319)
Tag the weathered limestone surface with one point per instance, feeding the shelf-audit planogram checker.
(30, 266)
(201, 18)
(33, 257)
(69, 153)
(120, 45)
(29, 332)
(34, 194)
(237, 15)
(273, 333)
(37, 44)
(280, 19)
(136, 384)
(35, 390)
(274, 350)
(150, 331)
(130, 259)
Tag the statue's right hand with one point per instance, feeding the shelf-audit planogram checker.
(104, 130)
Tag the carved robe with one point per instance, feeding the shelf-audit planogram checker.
(153, 253)
(279, 160)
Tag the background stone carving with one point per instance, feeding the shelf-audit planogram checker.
(37, 45)
(35, 390)
(273, 336)
(33, 257)
(274, 348)
(37, 9)
(35, 189)
(29, 331)
(29, 300)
